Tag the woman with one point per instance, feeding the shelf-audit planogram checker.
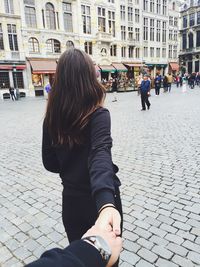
(77, 145)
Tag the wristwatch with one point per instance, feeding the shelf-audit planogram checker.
(101, 245)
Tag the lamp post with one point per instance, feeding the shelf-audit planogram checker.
(15, 81)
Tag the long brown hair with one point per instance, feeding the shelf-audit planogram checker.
(74, 96)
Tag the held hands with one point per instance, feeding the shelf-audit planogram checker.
(109, 219)
(114, 242)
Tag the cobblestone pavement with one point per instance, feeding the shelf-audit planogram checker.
(158, 152)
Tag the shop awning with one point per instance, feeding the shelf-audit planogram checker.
(174, 66)
(136, 64)
(119, 67)
(97, 68)
(107, 68)
(43, 66)
(11, 67)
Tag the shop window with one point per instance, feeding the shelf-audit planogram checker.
(12, 37)
(33, 45)
(4, 79)
(88, 47)
(67, 16)
(69, 44)
(1, 38)
(50, 16)
(18, 79)
(53, 46)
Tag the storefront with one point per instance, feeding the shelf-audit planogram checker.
(107, 74)
(156, 68)
(125, 83)
(12, 74)
(42, 73)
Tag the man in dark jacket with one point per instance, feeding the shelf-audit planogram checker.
(97, 248)
(145, 92)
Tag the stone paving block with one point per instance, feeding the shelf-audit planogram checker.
(158, 240)
(4, 254)
(195, 231)
(183, 262)
(129, 257)
(13, 262)
(186, 235)
(157, 231)
(165, 263)
(22, 253)
(143, 233)
(191, 246)
(131, 246)
(147, 255)
(168, 228)
(152, 221)
(182, 226)
(130, 236)
(177, 249)
(143, 263)
(125, 264)
(194, 257)
(174, 238)
(165, 219)
(162, 252)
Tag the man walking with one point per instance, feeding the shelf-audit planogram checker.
(145, 92)
(157, 82)
(170, 81)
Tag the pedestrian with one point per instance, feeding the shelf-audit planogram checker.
(191, 80)
(77, 144)
(114, 88)
(177, 79)
(157, 81)
(12, 93)
(48, 88)
(96, 248)
(170, 80)
(165, 84)
(145, 92)
(139, 81)
(184, 85)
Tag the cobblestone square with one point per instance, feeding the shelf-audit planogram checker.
(158, 153)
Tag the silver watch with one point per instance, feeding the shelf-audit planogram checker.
(101, 245)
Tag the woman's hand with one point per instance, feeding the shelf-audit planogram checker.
(109, 219)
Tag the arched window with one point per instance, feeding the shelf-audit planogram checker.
(33, 45)
(173, 6)
(69, 44)
(191, 40)
(50, 16)
(53, 46)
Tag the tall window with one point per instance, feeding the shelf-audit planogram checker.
(131, 51)
(101, 19)
(170, 35)
(175, 35)
(123, 33)
(152, 6)
(145, 51)
(175, 54)
(171, 21)
(130, 14)
(67, 16)
(184, 40)
(173, 6)
(1, 38)
(86, 19)
(33, 45)
(151, 29)
(137, 52)
(164, 7)
(191, 40)
(111, 1)
(164, 32)
(130, 33)
(30, 14)
(18, 79)
(88, 47)
(198, 18)
(69, 44)
(9, 8)
(4, 79)
(184, 21)
(158, 31)
(12, 37)
(137, 15)
(151, 51)
(113, 50)
(145, 4)
(50, 16)
(170, 51)
(198, 39)
(111, 22)
(158, 52)
(53, 46)
(164, 52)
(123, 51)
(145, 32)
(192, 19)
(137, 34)
(175, 21)
(158, 7)
(122, 12)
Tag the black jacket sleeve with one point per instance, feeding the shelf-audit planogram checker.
(49, 158)
(77, 254)
(100, 160)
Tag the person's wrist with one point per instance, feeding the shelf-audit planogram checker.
(105, 207)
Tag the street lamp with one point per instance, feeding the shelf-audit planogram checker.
(15, 81)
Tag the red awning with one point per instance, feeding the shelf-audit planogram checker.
(174, 66)
(136, 64)
(6, 67)
(21, 67)
(43, 66)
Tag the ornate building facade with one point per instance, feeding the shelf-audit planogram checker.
(127, 36)
(190, 36)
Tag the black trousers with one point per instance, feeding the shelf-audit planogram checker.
(157, 89)
(145, 100)
(79, 214)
